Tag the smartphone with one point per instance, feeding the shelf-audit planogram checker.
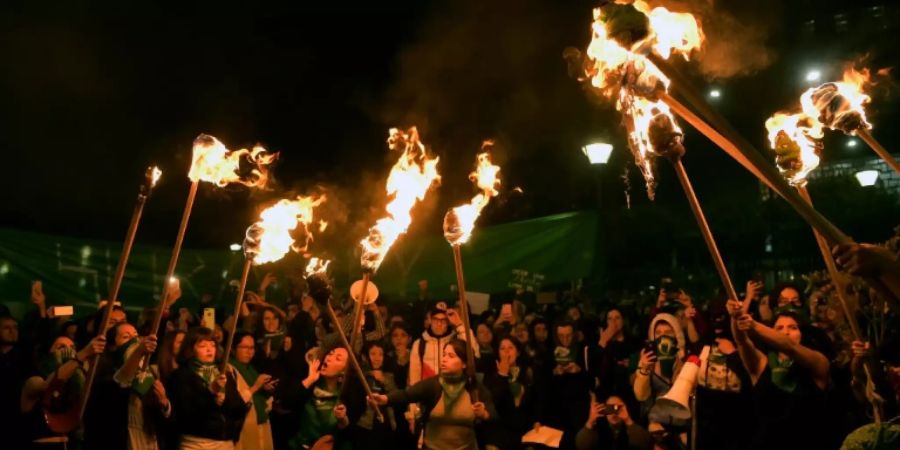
(650, 347)
(609, 410)
(506, 310)
(209, 318)
(60, 311)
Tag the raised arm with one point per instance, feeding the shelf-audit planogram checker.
(812, 360)
(753, 359)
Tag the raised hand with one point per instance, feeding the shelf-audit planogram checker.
(148, 344)
(314, 373)
(647, 360)
(745, 322)
(480, 411)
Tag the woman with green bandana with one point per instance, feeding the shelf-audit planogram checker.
(62, 369)
(148, 404)
(256, 389)
(659, 366)
(208, 409)
(324, 419)
(789, 382)
(452, 414)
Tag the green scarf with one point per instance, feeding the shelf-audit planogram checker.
(452, 385)
(249, 374)
(515, 386)
(208, 371)
(782, 376)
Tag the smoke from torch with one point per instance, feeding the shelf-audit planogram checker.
(460, 221)
(408, 183)
(214, 163)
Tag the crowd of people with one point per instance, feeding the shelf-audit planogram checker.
(770, 370)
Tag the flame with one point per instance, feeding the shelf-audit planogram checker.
(460, 221)
(409, 181)
(214, 163)
(316, 266)
(841, 104)
(794, 137)
(270, 238)
(622, 70)
(155, 174)
(671, 31)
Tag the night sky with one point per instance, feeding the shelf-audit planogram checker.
(92, 95)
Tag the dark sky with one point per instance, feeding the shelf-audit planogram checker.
(89, 96)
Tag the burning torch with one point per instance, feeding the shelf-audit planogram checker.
(629, 52)
(459, 223)
(795, 138)
(151, 177)
(268, 240)
(409, 182)
(213, 163)
(840, 106)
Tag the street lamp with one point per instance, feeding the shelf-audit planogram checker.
(235, 247)
(813, 75)
(715, 93)
(867, 177)
(598, 152)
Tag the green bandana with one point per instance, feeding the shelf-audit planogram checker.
(452, 386)
(54, 360)
(666, 353)
(208, 371)
(250, 375)
(782, 377)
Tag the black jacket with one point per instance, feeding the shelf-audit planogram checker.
(195, 410)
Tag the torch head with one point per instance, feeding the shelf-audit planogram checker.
(319, 287)
(665, 138)
(252, 240)
(836, 110)
(453, 230)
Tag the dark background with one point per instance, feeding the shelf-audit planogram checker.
(90, 95)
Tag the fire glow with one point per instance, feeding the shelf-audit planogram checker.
(617, 66)
(408, 183)
(462, 218)
(795, 140)
(214, 163)
(840, 105)
(316, 266)
(272, 237)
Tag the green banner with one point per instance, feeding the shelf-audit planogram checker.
(544, 251)
(528, 254)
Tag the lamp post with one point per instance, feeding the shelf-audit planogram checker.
(598, 154)
(867, 178)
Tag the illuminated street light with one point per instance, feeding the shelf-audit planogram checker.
(867, 177)
(813, 75)
(597, 153)
(851, 143)
(715, 93)
(235, 247)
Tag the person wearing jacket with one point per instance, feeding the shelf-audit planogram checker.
(209, 411)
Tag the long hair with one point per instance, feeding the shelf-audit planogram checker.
(166, 357)
(194, 335)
